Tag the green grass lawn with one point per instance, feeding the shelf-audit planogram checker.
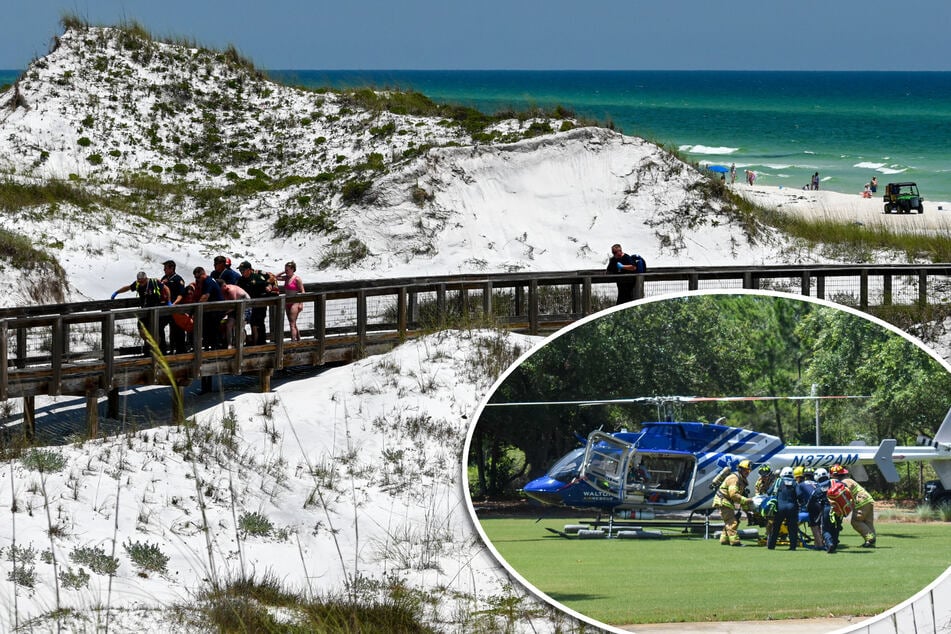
(684, 579)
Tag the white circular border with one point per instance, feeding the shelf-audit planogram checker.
(595, 316)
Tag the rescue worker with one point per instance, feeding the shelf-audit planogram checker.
(804, 492)
(766, 479)
(762, 487)
(787, 510)
(863, 511)
(728, 497)
(829, 523)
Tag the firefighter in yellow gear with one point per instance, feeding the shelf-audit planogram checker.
(863, 511)
(728, 497)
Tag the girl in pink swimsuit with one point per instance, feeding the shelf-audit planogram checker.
(292, 286)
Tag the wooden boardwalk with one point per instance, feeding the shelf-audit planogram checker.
(92, 349)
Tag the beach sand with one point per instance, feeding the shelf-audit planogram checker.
(818, 205)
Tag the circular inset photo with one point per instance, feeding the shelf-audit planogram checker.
(725, 456)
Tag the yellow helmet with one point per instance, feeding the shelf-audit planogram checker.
(798, 472)
(745, 464)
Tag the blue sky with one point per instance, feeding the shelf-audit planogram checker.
(522, 34)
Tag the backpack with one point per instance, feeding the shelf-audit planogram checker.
(840, 498)
(640, 264)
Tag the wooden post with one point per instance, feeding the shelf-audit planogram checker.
(922, 288)
(821, 286)
(109, 354)
(693, 282)
(401, 308)
(265, 377)
(29, 417)
(361, 323)
(320, 328)
(887, 289)
(638, 286)
(586, 296)
(92, 414)
(487, 290)
(112, 403)
(533, 307)
(441, 315)
(748, 280)
(805, 283)
(4, 368)
(278, 332)
(863, 289)
(519, 298)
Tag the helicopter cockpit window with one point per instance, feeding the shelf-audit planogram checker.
(569, 465)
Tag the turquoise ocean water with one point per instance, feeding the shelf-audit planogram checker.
(848, 126)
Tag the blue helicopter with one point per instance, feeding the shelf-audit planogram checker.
(675, 466)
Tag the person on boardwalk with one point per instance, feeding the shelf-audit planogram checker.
(292, 286)
(152, 292)
(176, 287)
(728, 497)
(787, 509)
(619, 264)
(232, 292)
(256, 284)
(223, 272)
(863, 511)
(208, 292)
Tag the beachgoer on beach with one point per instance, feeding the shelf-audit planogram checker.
(815, 181)
(732, 173)
(867, 192)
(873, 185)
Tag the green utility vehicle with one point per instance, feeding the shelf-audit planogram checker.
(903, 198)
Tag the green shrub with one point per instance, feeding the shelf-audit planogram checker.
(180, 168)
(305, 221)
(255, 524)
(74, 580)
(96, 559)
(87, 122)
(83, 141)
(147, 557)
(95, 159)
(44, 461)
(355, 190)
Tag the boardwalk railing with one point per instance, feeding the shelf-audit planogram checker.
(93, 349)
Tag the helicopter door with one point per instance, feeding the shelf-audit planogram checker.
(605, 464)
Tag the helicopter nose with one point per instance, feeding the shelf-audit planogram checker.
(545, 490)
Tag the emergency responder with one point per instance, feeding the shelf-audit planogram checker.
(766, 479)
(863, 512)
(804, 492)
(787, 509)
(830, 524)
(728, 497)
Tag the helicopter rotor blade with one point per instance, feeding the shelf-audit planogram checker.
(673, 399)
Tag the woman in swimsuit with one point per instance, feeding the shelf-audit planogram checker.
(292, 286)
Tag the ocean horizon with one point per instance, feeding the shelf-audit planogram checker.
(785, 125)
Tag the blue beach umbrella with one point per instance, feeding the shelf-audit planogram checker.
(719, 169)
